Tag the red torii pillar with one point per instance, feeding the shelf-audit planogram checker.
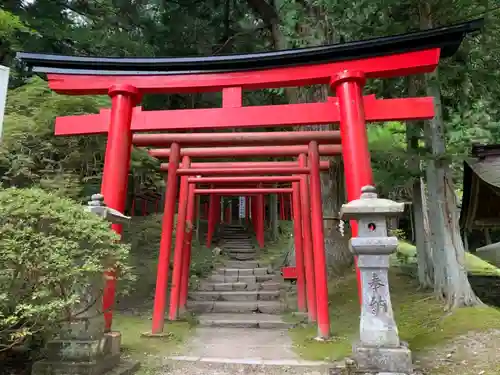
(165, 243)
(261, 216)
(115, 174)
(186, 259)
(305, 209)
(180, 233)
(318, 239)
(349, 88)
(299, 255)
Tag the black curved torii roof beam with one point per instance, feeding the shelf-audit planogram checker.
(447, 38)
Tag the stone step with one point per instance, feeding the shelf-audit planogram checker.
(219, 278)
(265, 307)
(242, 256)
(182, 365)
(239, 286)
(262, 295)
(242, 271)
(264, 321)
(242, 264)
(207, 286)
(240, 250)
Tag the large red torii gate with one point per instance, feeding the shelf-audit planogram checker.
(343, 67)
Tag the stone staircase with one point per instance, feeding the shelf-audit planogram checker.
(242, 294)
(240, 327)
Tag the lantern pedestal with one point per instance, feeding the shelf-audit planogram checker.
(82, 347)
(379, 349)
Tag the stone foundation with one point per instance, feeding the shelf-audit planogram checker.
(80, 356)
(383, 360)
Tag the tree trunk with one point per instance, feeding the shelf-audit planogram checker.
(420, 218)
(273, 216)
(450, 276)
(339, 257)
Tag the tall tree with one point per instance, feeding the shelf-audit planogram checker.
(299, 24)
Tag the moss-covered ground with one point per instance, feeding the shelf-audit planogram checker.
(422, 319)
(474, 264)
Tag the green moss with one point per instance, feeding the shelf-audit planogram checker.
(133, 343)
(473, 263)
(421, 319)
(150, 351)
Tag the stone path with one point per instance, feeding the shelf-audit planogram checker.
(240, 324)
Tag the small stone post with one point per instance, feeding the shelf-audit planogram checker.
(379, 349)
(82, 347)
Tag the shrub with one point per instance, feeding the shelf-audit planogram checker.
(50, 248)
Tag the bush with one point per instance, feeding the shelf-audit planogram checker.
(50, 249)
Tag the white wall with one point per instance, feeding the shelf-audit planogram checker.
(4, 82)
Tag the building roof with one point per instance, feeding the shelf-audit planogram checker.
(481, 189)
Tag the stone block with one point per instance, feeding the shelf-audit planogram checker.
(205, 286)
(383, 360)
(247, 279)
(263, 278)
(231, 279)
(246, 272)
(115, 342)
(260, 271)
(270, 307)
(204, 296)
(217, 278)
(76, 350)
(242, 256)
(252, 286)
(200, 306)
(219, 287)
(242, 264)
(83, 329)
(269, 295)
(234, 307)
(270, 286)
(239, 286)
(231, 272)
(96, 367)
(239, 296)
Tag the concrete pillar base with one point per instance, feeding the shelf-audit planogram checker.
(376, 360)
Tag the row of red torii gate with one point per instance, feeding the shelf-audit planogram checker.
(343, 67)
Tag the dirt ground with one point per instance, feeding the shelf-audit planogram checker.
(470, 354)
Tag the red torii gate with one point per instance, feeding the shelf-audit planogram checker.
(344, 67)
(303, 251)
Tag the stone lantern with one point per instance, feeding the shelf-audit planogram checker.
(379, 349)
(82, 346)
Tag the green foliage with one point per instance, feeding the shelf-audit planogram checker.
(144, 237)
(11, 28)
(30, 154)
(51, 250)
